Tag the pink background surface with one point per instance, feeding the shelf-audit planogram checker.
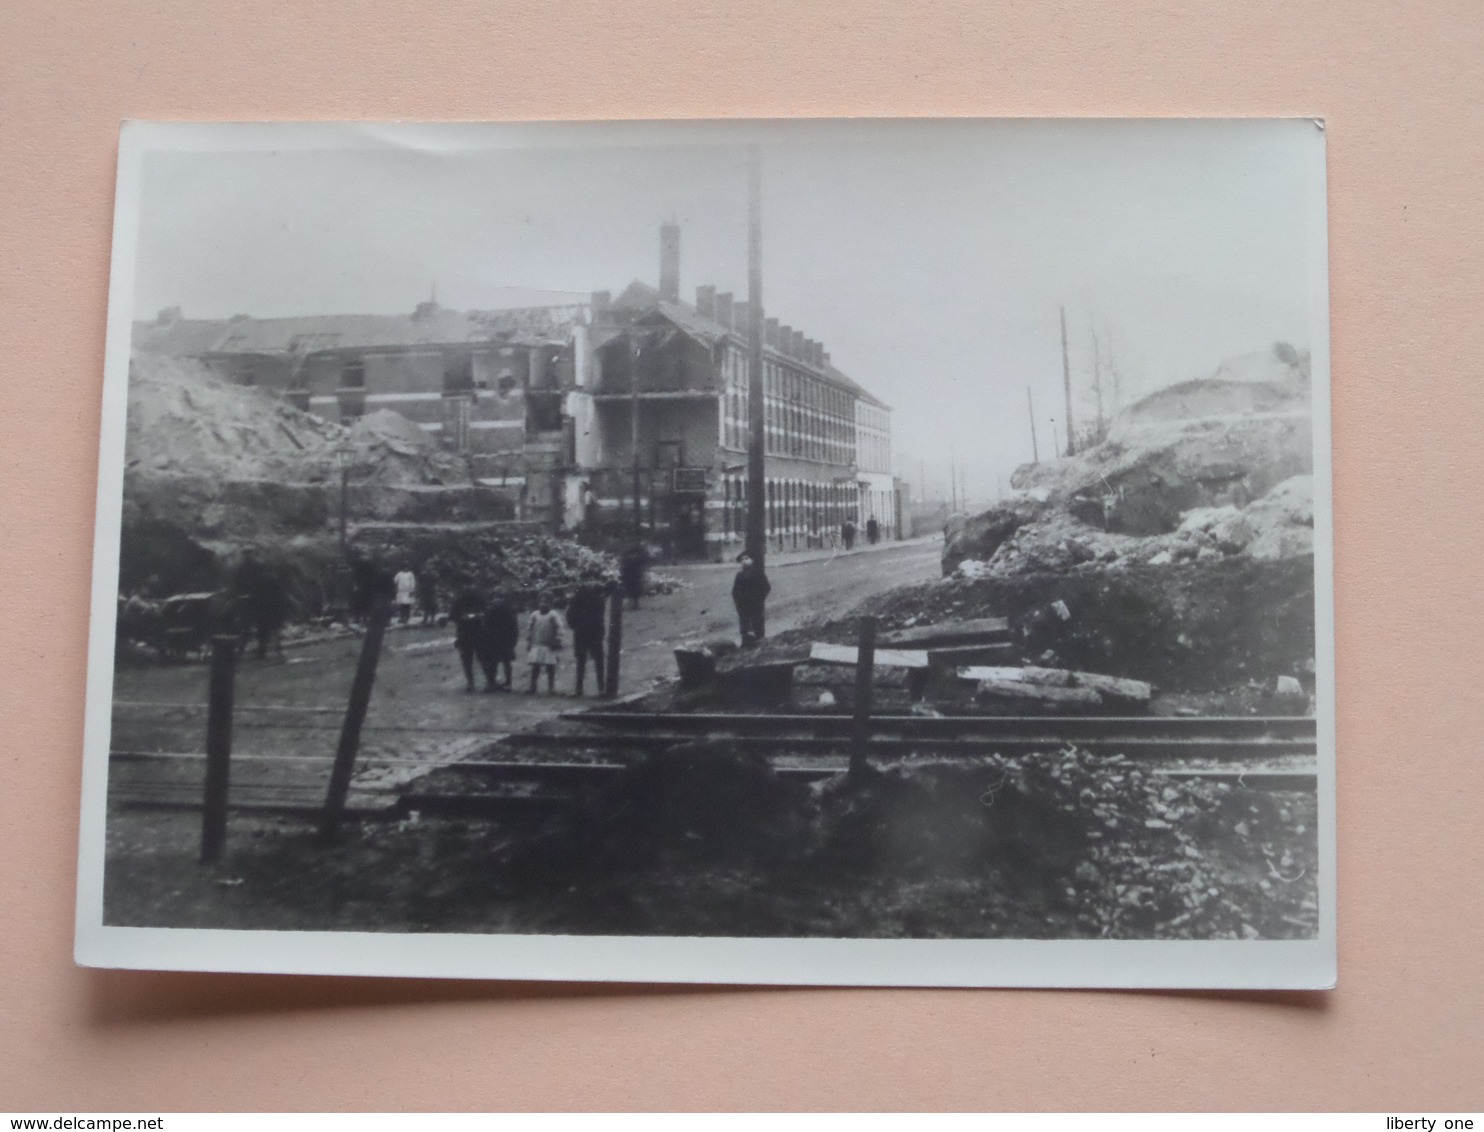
(1402, 88)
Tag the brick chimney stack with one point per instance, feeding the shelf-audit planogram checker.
(770, 332)
(724, 309)
(706, 300)
(786, 341)
(670, 260)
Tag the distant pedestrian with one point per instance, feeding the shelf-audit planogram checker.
(370, 582)
(500, 637)
(260, 594)
(406, 583)
(632, 564)
(585, 619)
(467, 614)
(873, 530)
(589, 508)
(543, 643)
(427, 593)
(750, 591)
(847, 533)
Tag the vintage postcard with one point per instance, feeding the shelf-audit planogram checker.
(835, 552)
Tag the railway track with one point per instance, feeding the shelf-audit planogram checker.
(500, 771)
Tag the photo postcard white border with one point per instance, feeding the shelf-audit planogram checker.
(1303, 964)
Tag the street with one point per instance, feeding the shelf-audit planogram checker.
(287, 714)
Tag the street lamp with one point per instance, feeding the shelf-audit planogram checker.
(343, 457)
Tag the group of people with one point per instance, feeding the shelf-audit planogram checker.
(487, 633)
(848, 531)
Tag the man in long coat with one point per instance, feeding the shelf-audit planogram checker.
(750, 591)
(585, 619)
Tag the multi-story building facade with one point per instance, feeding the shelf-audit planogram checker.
(577, 404)
(490, 385)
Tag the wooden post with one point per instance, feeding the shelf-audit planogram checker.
(865, 667)
(1031, 405)
(355, 715)
(218, 746)
(1066, 377)
(757, 488)
(615, 642)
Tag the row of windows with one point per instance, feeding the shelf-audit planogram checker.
(807, 418)
(793, 506)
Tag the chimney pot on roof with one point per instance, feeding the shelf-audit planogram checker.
(798, 348)
(706, 300)
(819, 355)
(770, 332)
(724, 309)
(786, 341)
(425, 309)
(601, 300)
(670, 261)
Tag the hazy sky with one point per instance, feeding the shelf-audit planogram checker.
(929, 257)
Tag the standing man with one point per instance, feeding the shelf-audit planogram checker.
(589, 508)
(501, 635)
(847, 532)
(631, 566)
(750, 591)
(585, 619)
(264, 601)
(427, 593)
(467, 615)
(406, 583)
(873, 530)
(543, 643)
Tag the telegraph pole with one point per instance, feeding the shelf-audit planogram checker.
(1031, 405)
(757, 531)
(634, 426)
(1066, 377)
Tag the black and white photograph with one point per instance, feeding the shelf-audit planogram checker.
(835, 552)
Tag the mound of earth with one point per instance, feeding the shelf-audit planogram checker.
(183, 420)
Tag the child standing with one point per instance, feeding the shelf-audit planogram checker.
(543, 642)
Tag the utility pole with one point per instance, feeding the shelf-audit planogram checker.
(1066, 377)
(757, 493)
(634, 426)
(1097, 377)
(952, 479)
(1031, 405)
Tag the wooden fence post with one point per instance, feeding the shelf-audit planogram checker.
(218, 747)
(355, 715)
(860, 728)
(615, 642)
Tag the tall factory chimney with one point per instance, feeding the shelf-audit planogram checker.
(670, 260)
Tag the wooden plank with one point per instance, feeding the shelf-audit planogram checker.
(885, 658)
(1113, 687)
(955, 655)
(1041, 695)
(985, 631)
(1117, 687)
(989, 672)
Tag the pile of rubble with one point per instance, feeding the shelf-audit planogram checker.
(521, 565)
(708, 838)
(183, 420)
(1201, 470)
(1181, 546)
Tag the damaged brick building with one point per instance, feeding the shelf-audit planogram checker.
(553, 403)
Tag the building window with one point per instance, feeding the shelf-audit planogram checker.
(353, 376)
